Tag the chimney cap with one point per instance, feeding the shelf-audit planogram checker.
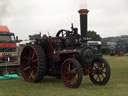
(83, 11)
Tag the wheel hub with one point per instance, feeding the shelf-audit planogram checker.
(29, 63)
(99, 71)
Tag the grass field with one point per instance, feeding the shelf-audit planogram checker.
(117, 86)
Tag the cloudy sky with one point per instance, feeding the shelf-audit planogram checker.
(25, 17)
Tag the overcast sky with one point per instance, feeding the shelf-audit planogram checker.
(25, 17)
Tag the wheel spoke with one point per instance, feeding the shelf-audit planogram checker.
(25, 57)
(103, 67)
(94, 74)
(69, 67)
(95, 67)
(73, 70)
(35, 67)
(96, 78)
(26, 68)
(104, 72)
(30, 76)
(68, 77)
(99, 78)
(33, 55)
(103, 76)
(34, 61)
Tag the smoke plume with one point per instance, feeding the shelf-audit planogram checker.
(3, 6)
(26, 17)
(83, 4)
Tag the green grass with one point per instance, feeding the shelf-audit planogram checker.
(117, 86)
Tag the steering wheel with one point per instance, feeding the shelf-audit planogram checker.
(63, 33)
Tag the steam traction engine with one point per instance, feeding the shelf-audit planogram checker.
(65, 56)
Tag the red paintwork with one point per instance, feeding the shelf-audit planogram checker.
(54, 46)
(7, 45)
(4, 29)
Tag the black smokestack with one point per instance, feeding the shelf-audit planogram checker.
(83, 23)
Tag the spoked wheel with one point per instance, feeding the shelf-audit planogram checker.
(71, 73)
(33, 63)
(100, 71)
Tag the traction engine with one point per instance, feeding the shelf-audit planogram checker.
(66, 56)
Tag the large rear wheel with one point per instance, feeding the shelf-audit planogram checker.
(33, 63)
(100, 71)
(71, 73)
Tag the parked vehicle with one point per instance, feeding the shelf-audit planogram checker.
(8, 52)
(97, 46)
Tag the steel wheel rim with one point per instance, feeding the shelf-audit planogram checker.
(70, 74)
(29, 63)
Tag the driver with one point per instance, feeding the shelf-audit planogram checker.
(75, 31)
(44, 36)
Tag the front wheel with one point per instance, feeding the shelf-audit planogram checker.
(100, 71)
(71, 73)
